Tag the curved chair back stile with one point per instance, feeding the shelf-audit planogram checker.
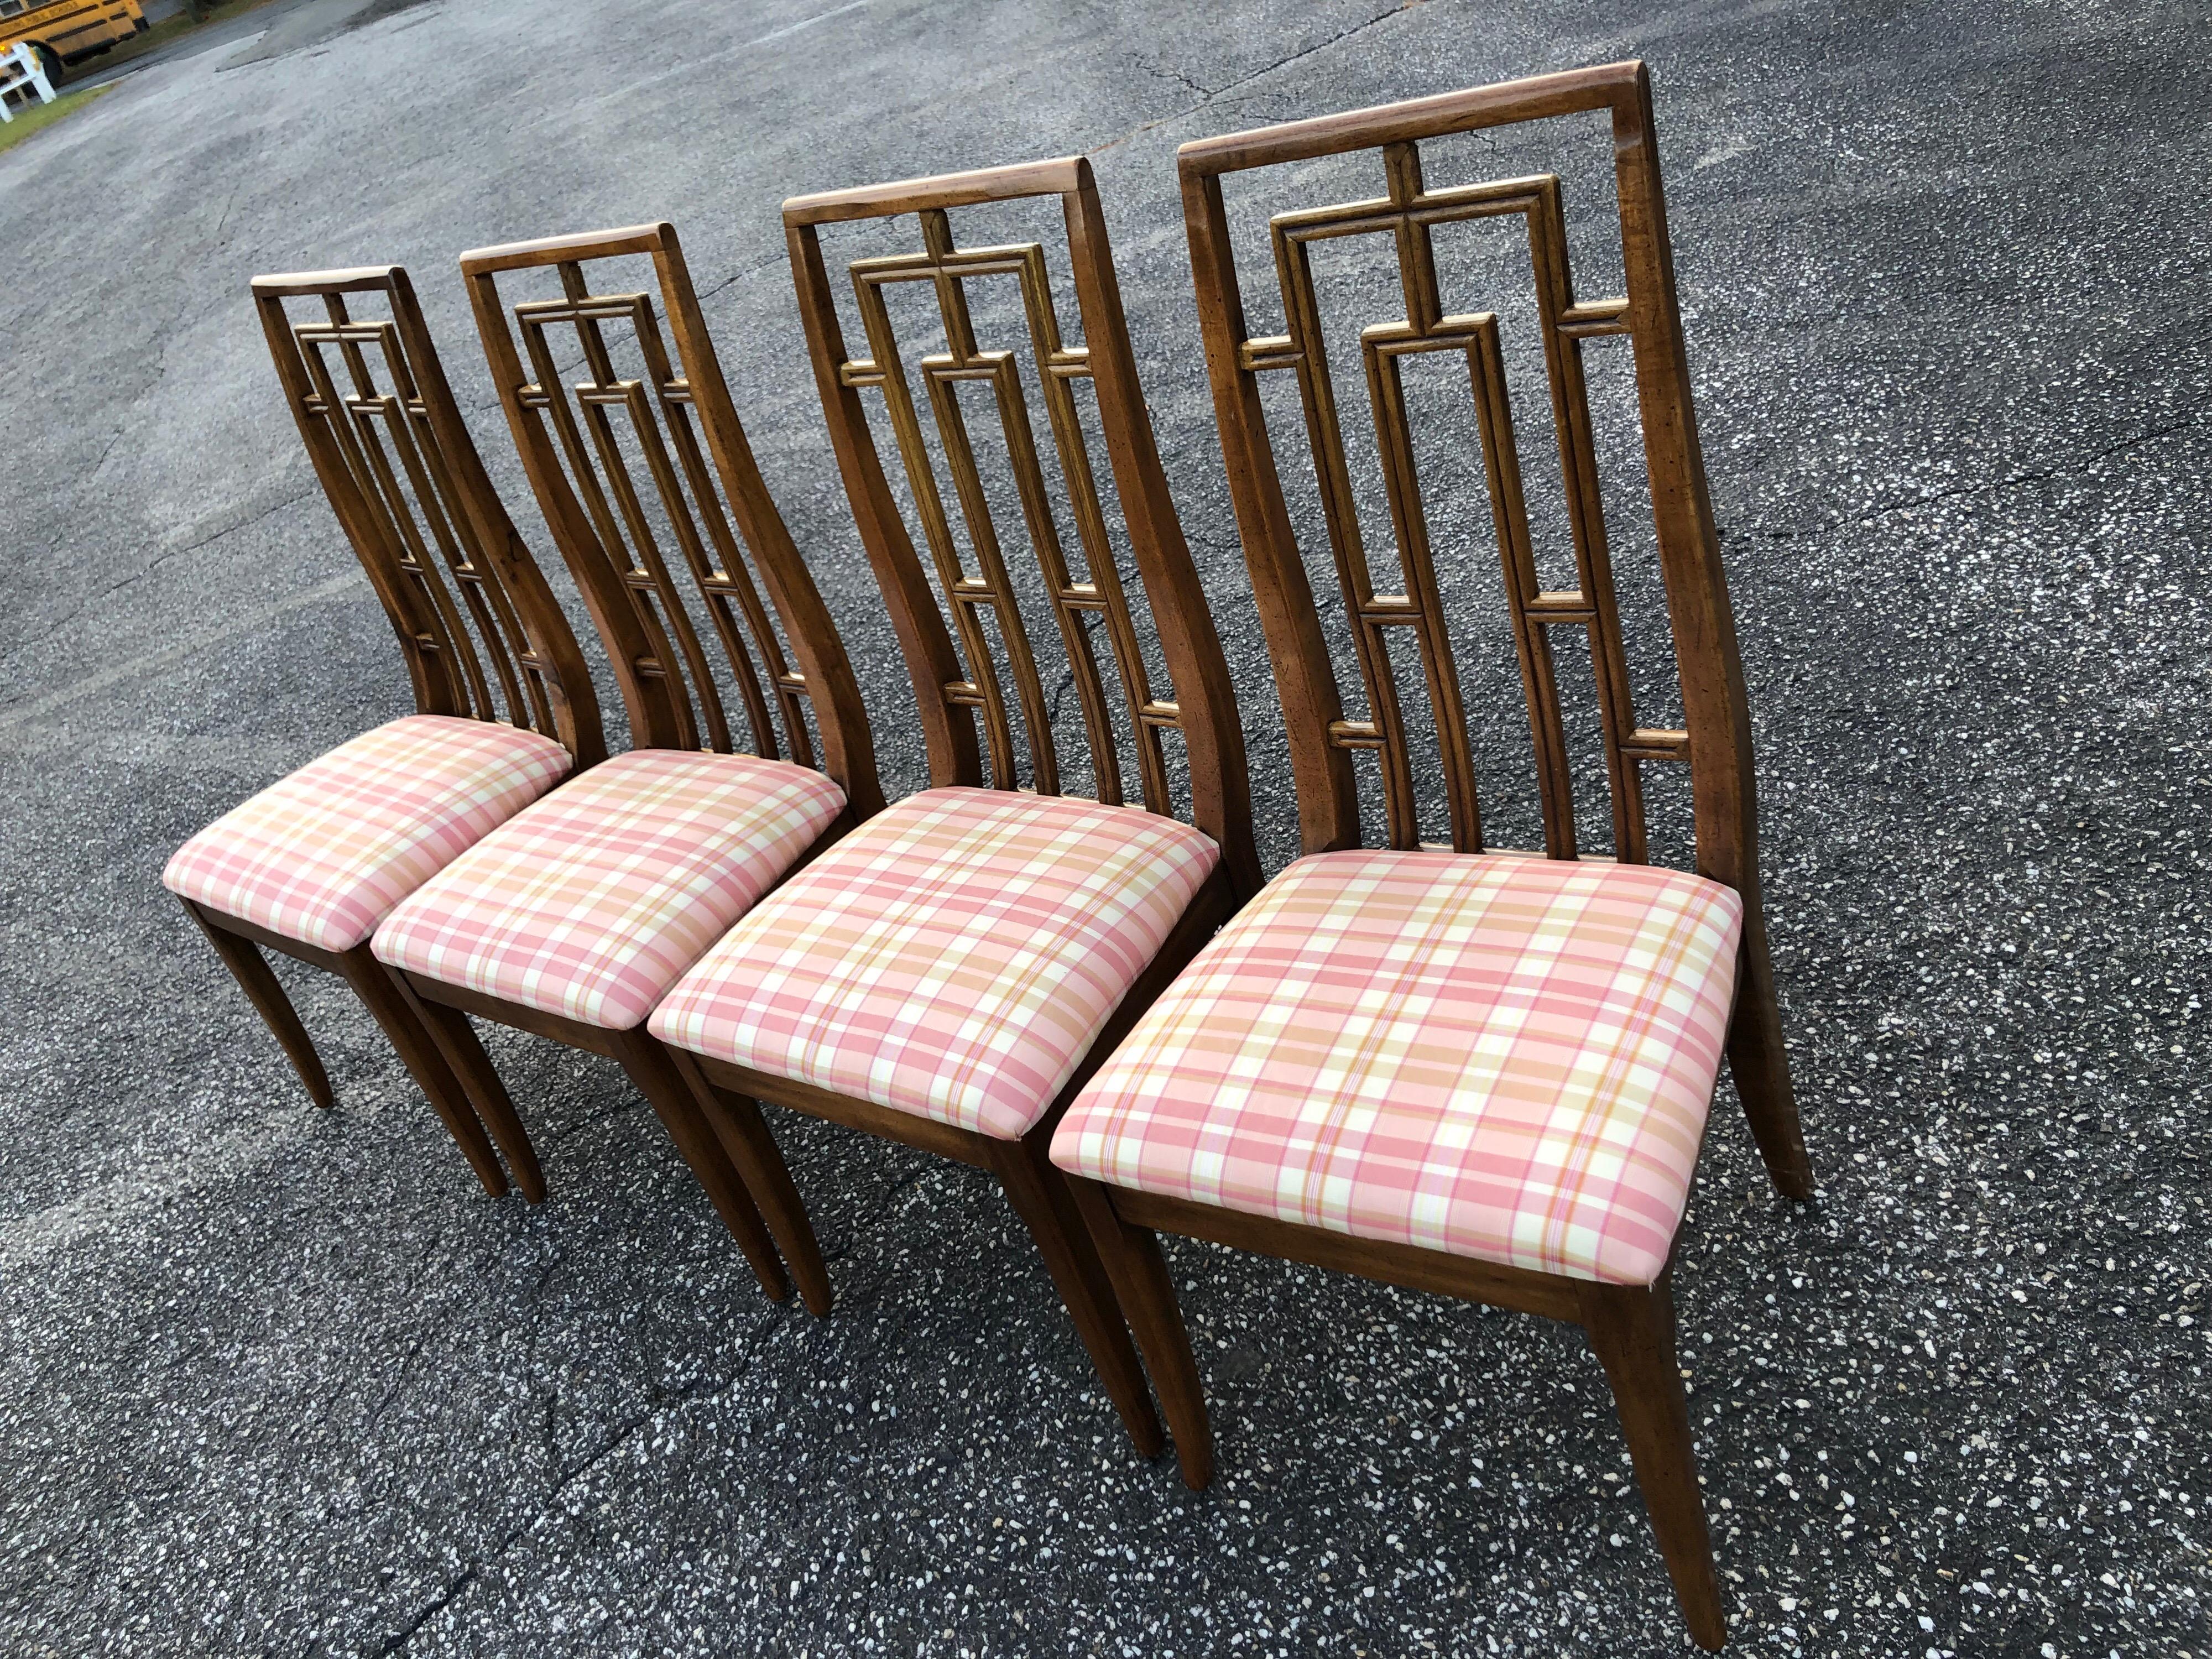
(1716, 744)
(954, 686)
(749, 747)
(481, 632)
(732, 543)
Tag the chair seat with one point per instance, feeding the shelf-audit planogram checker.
(954, 957)
(590, 904)
(1505, 1057)
(325, 854)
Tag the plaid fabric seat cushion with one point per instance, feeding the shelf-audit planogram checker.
(954, 957)
(1506, 1057)
(590, 903)
(323, 855)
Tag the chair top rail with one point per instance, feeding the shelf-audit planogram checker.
(1536, 97)
(1022, 181)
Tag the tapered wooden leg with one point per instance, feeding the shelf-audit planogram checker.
(1140, 1276)
(1633, 1329)
(419, 1053)
(738, 1123)
(464, 1054)
(657, 1078)
(1760, 1065)
(1039, 1197)
(266, 993)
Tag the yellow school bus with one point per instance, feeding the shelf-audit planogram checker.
(68, 31)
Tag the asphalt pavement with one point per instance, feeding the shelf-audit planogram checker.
(280, 1381)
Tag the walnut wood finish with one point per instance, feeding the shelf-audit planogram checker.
(732, 1158)
(1202, 703)
(1631, 1327)
(722, 1139)
(409, 491)
(481, 634)
(441, 1009)
(577, 440)
(240, 944)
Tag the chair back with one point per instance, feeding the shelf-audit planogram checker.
(1715, 740)
(640, 455)
(973, 582)
(481, 632)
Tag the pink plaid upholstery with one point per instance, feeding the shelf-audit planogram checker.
(954, 957)
(1507, 1057)
(323, 855)
(592, 902)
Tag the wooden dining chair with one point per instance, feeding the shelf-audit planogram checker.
(572, 919)
(505, 707)
(949, 973)
(1480, 1072)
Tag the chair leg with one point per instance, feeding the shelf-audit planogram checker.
(464, 1054)
(1039, 1195)
(1633, 1329)
(1760, 1065)
(266, 993)
(658, 1081)
(737, 1123)
(1140, 1276)
(419, 1053)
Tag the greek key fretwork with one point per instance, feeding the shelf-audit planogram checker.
(1409, 214)
(381, 429)
(988, 589)
(590, 417)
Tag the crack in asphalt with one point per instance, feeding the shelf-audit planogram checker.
(1994, 486)
(592, 1121)
(2077, 462)
(168, 337)
(407, 1294)
(153, 564)
(657, 1400)
(1161, 72)
(1209, 96)
(436, 1606)
(26, 709)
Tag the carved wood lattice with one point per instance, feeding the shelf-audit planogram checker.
(656, 411)
(400, 473)
(1074, 599)
(1408, 213)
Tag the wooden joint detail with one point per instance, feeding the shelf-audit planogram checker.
(1656, 743)
(1257, 356)
(1594, 318)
